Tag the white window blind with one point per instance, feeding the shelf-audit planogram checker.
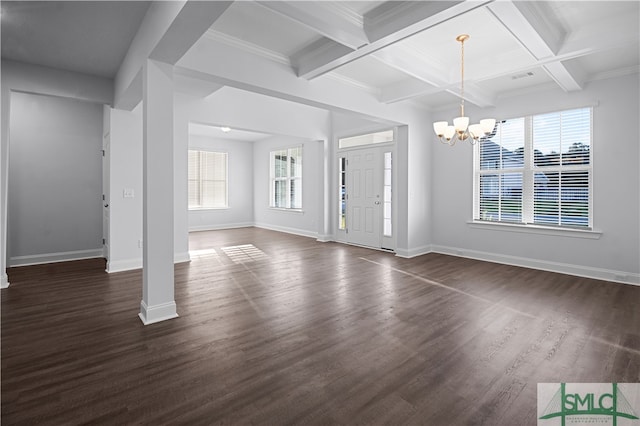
(207, 179)
(536, 170)
(286, 178)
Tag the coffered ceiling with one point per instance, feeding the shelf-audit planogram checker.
(398, 51)
(406, 51)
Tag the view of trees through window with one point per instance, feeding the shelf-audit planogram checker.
(536, 169)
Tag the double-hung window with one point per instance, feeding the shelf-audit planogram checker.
(286, 178)
(207, 180)
(536, 170)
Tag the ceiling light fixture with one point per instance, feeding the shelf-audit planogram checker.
(225, 129)
(461, 130)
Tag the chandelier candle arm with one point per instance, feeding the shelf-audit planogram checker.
(461, 130)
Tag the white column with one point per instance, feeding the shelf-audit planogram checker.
(158, 302)
(324, 192)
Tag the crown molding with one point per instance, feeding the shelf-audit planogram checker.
(279, 58)
(214, 35)
(346, 12)
(619, 72)
(351, 82)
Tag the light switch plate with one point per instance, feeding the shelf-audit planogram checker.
(127, 193)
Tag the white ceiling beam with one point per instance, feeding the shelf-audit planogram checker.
(328, 18)
(193, 21)
(393, 17)
(317, 55)
(570, 78)
(276, 79)
(530, 25)
(385, 25)
(166, 33)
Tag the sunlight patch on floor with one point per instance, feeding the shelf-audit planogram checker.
(195, 254)
(244, 253)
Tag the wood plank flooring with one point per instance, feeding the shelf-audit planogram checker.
(277, 329)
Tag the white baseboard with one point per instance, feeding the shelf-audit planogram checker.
(4, 281)
(294, 231)
(544, 265)
(324, 238)
(38, 259)
(132, 264)
(409, 253)
(199, 228)
(157, 313)
(123, 265)
(181, 257)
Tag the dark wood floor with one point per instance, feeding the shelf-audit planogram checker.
(279, 329)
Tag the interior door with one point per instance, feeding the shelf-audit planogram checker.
(364, 197)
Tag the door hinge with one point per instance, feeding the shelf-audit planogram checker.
(346, 230)
(103, 197)
(104, 241)
(103, 152)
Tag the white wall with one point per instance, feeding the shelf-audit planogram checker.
(240, 185)
(55, 179)
(244, 110)
(125, 214)
(309, 220)
(616, 254)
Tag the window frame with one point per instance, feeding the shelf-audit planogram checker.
(288, 179)
(529, 170)
(199, 180)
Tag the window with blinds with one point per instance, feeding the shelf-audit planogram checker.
(286, 178)
(207, 180)
(536, 170)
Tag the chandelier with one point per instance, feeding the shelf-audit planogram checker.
(461, 130)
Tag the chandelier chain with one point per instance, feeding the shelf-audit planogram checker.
(462, 78)
(461, 129)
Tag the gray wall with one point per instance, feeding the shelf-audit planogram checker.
(305, 222)
(240, 185)
(55, 178)
(616, 254)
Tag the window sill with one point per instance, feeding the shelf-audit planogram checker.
(300, 211)
(204, 209)
(591, 234)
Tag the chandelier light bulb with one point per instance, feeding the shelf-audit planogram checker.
(449, 132)
(476, 132)
(461, 124)
(488, 125)
(439, 127)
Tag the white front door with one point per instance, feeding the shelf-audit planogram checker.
(364, 197)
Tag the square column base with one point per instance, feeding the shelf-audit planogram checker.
(4, 281)
(152, 314)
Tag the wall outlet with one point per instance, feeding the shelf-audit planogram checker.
(139, 243)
